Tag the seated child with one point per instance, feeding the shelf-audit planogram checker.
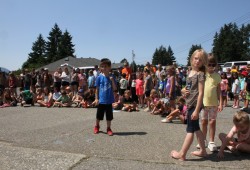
(88, 98)
(8, 99)
(180, 112)
(117, 105)
(56, 94)
(63, 101)
(69, 92)
(158, 108)
(128, 103)
(44, 98)
(241, 128)
(154, 98)
(78, 98)
(27, 97)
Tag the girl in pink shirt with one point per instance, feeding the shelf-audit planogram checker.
(224, 87)
(140, 89)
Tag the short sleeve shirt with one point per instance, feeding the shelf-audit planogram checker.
(104, 84)
(210, 90)
(191, 100)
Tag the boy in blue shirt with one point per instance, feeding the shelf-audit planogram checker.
(105, 85)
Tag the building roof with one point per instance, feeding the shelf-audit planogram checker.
(77, 62)
(71, 61)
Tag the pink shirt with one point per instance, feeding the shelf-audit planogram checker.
(223, 84)
(241, 137)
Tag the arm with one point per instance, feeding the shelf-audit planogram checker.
(172, 86)
(220, 107)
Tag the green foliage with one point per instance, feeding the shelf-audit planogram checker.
(58, 46)
(124, 60)
(133, 66)
(191, 51)
(232, 43)
(66, 48)
(37, 56)
(163, 56)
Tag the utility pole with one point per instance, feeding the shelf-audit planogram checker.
(133, 63)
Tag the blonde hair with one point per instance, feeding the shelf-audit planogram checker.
(241, 117)
(203, 56)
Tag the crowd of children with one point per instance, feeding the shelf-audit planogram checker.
(172, 92)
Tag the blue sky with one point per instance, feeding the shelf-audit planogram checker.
(113, 28)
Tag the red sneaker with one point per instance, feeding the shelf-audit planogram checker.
(96, 129)
(109, 132)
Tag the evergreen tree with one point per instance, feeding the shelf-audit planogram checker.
(52, 45)
(171, 55)
(37, 56)
(133, 66)
(231, 43)
(124, 60)
(66, 48)
(191, 51)
(163, 56)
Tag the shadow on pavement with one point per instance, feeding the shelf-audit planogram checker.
(129, 133)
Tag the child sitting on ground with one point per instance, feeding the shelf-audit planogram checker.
(26, 97)
(8, 99)
(56, 94)
(88, 98)
(158, 108)
(78, 98)
(154, 98)
(180, 112)
(242, 129)
(117, 105)
(63, 100)
(128, 103)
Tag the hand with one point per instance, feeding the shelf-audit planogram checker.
(95, 103)
(111, 78)
(195, 116)
(220, 108)
(220, 155)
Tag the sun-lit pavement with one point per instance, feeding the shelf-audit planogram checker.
(62, 138)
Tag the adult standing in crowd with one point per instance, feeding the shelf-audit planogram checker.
(65, 78)
(96, 71)
(57, 78)
(126, 69)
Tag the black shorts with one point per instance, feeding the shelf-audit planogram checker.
(65, 83)
(147, 93)
(29, 101)
(74, 83)
(122, 92)
(192, 125)
(104, 108)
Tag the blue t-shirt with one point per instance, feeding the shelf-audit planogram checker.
(104, 84)
(91, 81)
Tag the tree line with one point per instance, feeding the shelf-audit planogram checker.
(229, 44)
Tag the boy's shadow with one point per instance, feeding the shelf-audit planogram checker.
(129, 133)
(125, 133)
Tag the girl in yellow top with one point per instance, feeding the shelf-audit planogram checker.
(212, 94)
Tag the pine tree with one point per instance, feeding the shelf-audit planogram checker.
(52, 45)
(163, 56)
(37, 56)
(66, 48)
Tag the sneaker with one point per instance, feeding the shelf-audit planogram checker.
(243, 108)
(147, 110)
(109, 132)
(198, 146)
(96, 129)
(212, 147)
(166, 121)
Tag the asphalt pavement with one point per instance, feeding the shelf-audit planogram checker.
(62, 138)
